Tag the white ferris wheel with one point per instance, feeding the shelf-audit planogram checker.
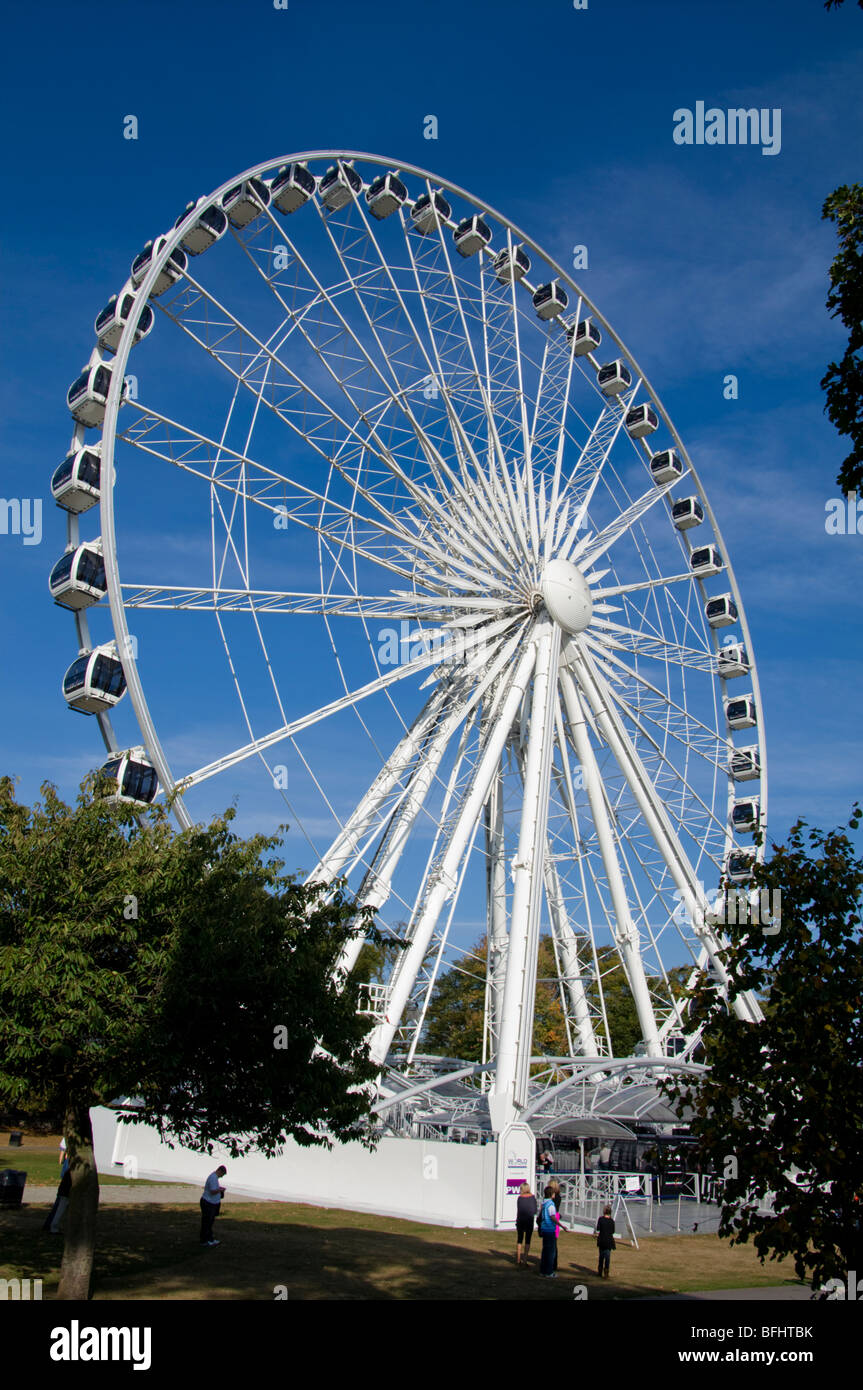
(425, 515)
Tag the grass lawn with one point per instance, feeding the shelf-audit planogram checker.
(148, 1252)
(39, 1156)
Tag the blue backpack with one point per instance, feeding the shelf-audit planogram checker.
(547, 1222)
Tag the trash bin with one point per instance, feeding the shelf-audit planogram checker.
(11, 1187)
(16, 1139)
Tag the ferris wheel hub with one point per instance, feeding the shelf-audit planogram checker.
(567, 595)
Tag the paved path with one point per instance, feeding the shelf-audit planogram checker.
(778, 1293)
(111, 1195)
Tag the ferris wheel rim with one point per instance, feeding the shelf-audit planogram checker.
(109, 432)
(171, 242)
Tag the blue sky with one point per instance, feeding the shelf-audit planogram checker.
(707, 261)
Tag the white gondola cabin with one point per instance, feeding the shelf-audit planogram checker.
(745, 815)
(613, 377)
(429, 211)
(666, 466)
(245, 201)
(586, 335)
(204, 231)
(739, 865)
(550, 300)
(339, 185)
(721, 611)
(78, 579)
(292, 187)
(130, 776)
(95, 681)
(745, 763)
(731, 661)
(385, 195)
(471, 235)
(686, 513)
(75, 483)
(705, 561)
(88, 394)
(640, 420)
(110, 323)
(511, 264)
(740, 712)
(170, 272)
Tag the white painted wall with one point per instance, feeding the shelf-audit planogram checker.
(414, 1179)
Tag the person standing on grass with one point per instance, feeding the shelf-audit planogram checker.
(525, 1217)
(550, 1226)
(557, 1198)
(210, 1204)
(605, 1242)
(61, 1201)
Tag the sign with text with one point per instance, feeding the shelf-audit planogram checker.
(516, 1163)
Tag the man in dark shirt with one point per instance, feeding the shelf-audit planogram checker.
(605, 1242)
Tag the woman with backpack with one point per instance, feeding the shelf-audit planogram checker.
(550, 1226)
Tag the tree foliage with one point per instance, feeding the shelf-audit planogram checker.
(781, 1108)
(843, 381)
(454, 1021)
(182, 969)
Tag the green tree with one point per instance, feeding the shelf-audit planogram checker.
(454, 1018)
(785, 1097)
(182, 969)
(454, 1021)
(843, 381)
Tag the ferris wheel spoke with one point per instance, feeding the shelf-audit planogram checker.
(497, 939)
(640, 586)
(317, 422)
(585, 894)
(457, 786)
(393, 779)
(292, 728)
(478, 488)
(516, 1029)
(670, 768)
(479, 377)
(665, 731)
(588, 467)
(377, 884)
(692, 724)
(569, 945)
(474, 485)
(657, 819)
(586, 553)
(408, 606)
(441, 471)
(444, 875)
(391, 391)
(442, 939)
(186, 448)
(619, 637)
(626, 933)
(553, 509)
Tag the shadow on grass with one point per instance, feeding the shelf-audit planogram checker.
(153, 1253)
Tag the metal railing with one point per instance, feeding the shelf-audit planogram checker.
(585, 1195)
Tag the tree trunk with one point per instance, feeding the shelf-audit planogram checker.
(76, 1271)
